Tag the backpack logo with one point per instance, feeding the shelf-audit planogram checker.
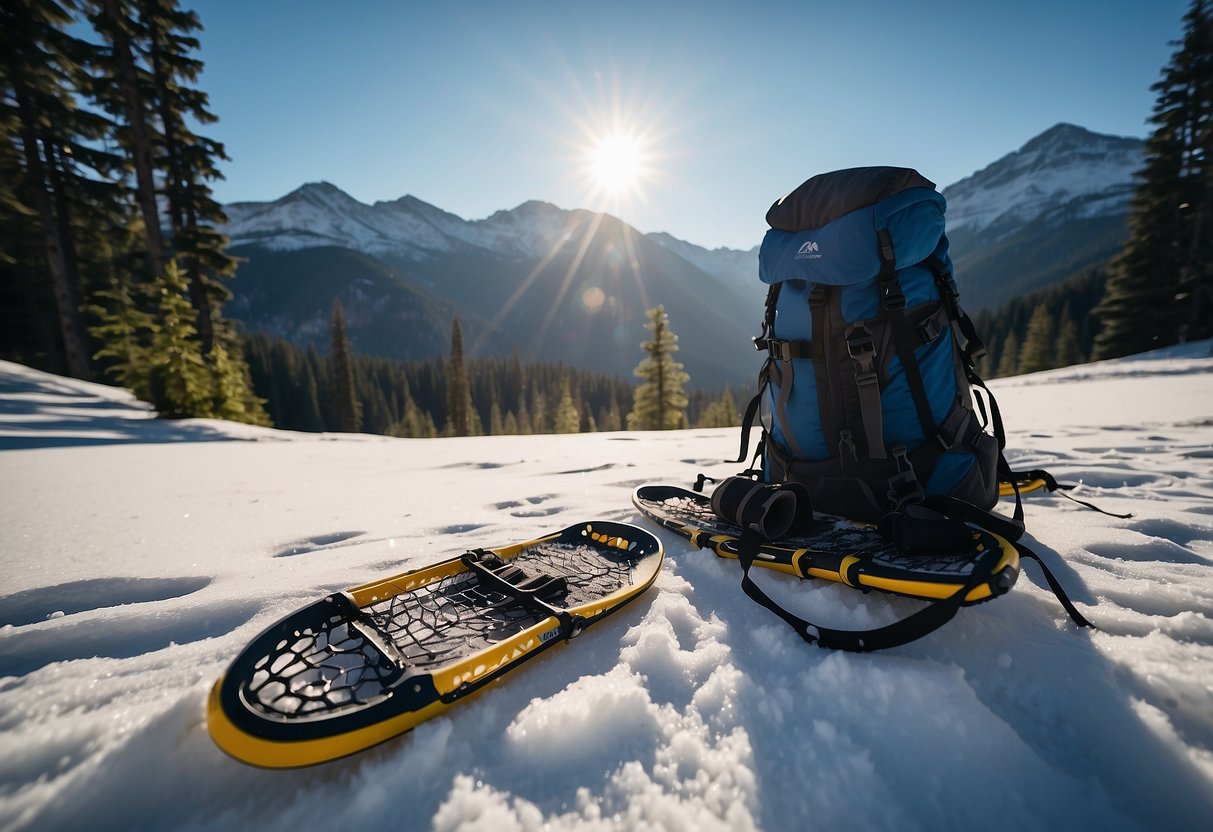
(809, 251)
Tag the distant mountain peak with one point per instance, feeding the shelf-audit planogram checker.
(1064, 170)
(321, 187)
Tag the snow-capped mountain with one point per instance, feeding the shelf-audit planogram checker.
(407, 229)
(572, 285)
(1048, 211)
(1064, 173)
(556, 285)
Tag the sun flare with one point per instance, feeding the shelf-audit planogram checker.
(616, 164)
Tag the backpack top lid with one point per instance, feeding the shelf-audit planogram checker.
(828, 196)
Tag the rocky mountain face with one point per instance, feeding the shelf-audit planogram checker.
(573, 286)
(1044, 213)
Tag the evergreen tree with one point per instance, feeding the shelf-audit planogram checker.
(525, 426)
(568, 417)
(179, 383)
(345, 399)
(1008, 357)
(123, 327)
(1067, 351)
(1039, 350)
(131, 90)
(660, 403)
(57, 172)
(511, 424)
(539, 412)
(496, 424)
(721, 413)
(1160, 287)
(187, 161)
(459, 399)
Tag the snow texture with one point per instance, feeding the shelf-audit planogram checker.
(141, 555)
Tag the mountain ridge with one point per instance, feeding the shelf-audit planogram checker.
(537, 273)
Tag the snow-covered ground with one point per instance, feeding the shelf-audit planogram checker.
(139, 556)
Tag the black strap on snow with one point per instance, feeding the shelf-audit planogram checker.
(921, 623)
(939, 525)
(772, 510)
(1055, 585)
(1052, 486)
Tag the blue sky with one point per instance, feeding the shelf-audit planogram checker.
(479, 106)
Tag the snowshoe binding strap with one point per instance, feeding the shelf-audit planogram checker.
(916, 529)
(943, 523)
(538, 593)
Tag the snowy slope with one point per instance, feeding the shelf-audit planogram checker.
(320, 214)
(139, 556)
(1064, 173)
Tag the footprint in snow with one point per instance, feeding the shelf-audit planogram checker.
(315, 543)
(34, 605)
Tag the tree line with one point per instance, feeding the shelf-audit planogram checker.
(110, 263)
(1054, 327)
(454, 395)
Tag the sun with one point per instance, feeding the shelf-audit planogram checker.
(616, 164)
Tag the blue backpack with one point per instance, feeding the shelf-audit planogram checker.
(866, 396)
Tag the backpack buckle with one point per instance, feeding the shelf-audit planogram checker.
(892, 298)
(862, 348)
(904, 486)
(930, 329)
(846, 446)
